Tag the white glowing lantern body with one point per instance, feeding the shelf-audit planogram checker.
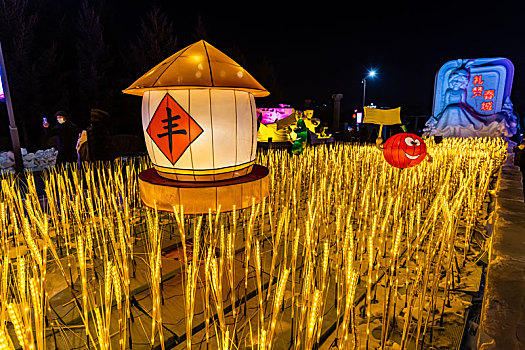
(225, 148)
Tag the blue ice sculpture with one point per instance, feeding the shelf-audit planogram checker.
(472, 99)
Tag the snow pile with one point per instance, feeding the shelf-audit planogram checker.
(39, 160)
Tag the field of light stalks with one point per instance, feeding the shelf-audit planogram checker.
(347, 252)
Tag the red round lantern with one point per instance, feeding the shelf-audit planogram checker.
(404, 150)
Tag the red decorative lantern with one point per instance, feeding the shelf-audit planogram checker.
(404, 150)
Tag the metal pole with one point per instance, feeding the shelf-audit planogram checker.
(15, 140)
(364, 90)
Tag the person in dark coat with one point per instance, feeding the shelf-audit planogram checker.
(519, 160)
(67, 136)
(99, 142)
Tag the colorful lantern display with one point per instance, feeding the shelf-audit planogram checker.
(271, 115)
(472, 99)
(383, 117)
(199, 116)
(2, 96)
(404, 150)
(282, 130)
(214, 138)
(302, 137)
(200, 127)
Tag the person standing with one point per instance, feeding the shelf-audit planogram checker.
(519, 160)
(67, 136)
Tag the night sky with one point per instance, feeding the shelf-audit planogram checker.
(324, 49)
(316, 50)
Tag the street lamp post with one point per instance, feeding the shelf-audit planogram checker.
(370, 74)
(364, 90)
(19, 165)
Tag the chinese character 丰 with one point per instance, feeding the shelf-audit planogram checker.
(170, 127)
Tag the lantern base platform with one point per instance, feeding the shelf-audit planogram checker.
(200, 197)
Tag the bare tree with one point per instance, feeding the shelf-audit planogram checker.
(267, 75)
(93, 58)
(155, 43)
(17, 23)
(200, 30)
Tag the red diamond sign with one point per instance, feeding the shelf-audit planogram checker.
(172, 129)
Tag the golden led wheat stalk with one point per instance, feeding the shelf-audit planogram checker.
(339, 223)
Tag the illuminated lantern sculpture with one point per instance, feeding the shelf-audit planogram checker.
(382, 117)
(404, 150)
(302, 137)
(472, 99)
(200, 126)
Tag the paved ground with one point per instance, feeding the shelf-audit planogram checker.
(503, 314)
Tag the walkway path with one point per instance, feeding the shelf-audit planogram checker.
(503, 314)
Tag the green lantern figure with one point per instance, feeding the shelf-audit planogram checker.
(302, 136)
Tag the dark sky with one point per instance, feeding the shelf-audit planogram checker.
(324, 47)
(317, 48)
(327, 47)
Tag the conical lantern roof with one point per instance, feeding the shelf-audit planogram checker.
(198, 65)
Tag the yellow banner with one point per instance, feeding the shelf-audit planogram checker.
(382, 116)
